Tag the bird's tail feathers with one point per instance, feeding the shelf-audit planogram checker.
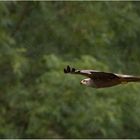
(131, 79)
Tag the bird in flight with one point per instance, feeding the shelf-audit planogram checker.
(98, 79)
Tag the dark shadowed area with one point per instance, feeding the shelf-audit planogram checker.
(39, 39)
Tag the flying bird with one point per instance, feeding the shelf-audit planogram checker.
(98, 79)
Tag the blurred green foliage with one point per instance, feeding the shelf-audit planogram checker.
(39, 39)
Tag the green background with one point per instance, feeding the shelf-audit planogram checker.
(39, 39)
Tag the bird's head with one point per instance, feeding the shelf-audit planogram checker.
(87, 82)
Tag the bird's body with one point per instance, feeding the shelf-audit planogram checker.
(97, 79)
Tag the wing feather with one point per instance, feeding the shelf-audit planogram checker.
(91, 73)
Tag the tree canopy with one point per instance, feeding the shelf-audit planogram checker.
(39, 39)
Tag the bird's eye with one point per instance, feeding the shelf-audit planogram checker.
(84, 80)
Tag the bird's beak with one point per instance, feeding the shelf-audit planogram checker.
(81, 82)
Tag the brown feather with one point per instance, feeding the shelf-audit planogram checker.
(103, 79)
(131, 79)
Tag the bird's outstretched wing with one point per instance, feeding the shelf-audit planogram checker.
(92, 73)
(75, 71)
